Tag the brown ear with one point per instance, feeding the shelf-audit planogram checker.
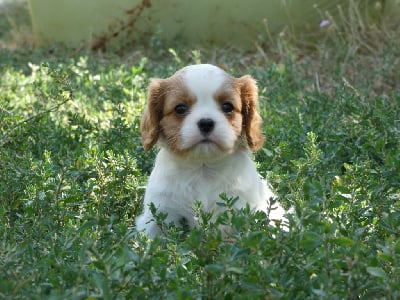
(251, 119)
(152, 114)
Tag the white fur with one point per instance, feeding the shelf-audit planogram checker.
(209, 169)
(174, 186)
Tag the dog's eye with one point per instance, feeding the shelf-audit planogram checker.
(227, 107)
(181, 109)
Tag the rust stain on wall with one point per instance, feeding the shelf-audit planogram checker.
(126, 26)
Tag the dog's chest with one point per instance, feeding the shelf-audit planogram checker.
(205, 184)
(184, 186)
(179, 184)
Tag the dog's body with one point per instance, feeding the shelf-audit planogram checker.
(206, 124)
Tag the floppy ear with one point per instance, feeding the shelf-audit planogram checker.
(251, 119)
(152, 114)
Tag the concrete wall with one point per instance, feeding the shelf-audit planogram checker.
(221, 22)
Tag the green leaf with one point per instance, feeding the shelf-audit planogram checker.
(319, 293)
(235, 270)
(343, 241)
(102, 285)
(213, 268)
(377, 272)
(311, 240)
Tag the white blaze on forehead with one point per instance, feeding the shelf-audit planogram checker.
(203, 80)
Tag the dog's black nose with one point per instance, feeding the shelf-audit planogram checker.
(206, 125)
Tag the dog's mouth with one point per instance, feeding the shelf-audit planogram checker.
(206, 141)
(209, 145)
(206, 145)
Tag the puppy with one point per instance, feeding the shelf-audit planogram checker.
(206, 125)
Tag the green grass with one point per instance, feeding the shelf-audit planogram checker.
(73, 173)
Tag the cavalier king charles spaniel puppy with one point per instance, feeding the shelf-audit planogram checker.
(206, 125)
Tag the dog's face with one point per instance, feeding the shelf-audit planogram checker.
(201, 111)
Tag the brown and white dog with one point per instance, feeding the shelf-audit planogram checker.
(206, 125)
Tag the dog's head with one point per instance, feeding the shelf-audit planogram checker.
(202, 110)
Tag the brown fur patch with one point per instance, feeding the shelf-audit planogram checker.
(252, 121)
(152, 114)
(228, 93)
(159, 117)
(171, 122)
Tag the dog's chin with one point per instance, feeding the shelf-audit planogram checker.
(207, 149)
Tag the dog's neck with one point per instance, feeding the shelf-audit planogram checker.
(214, 162)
